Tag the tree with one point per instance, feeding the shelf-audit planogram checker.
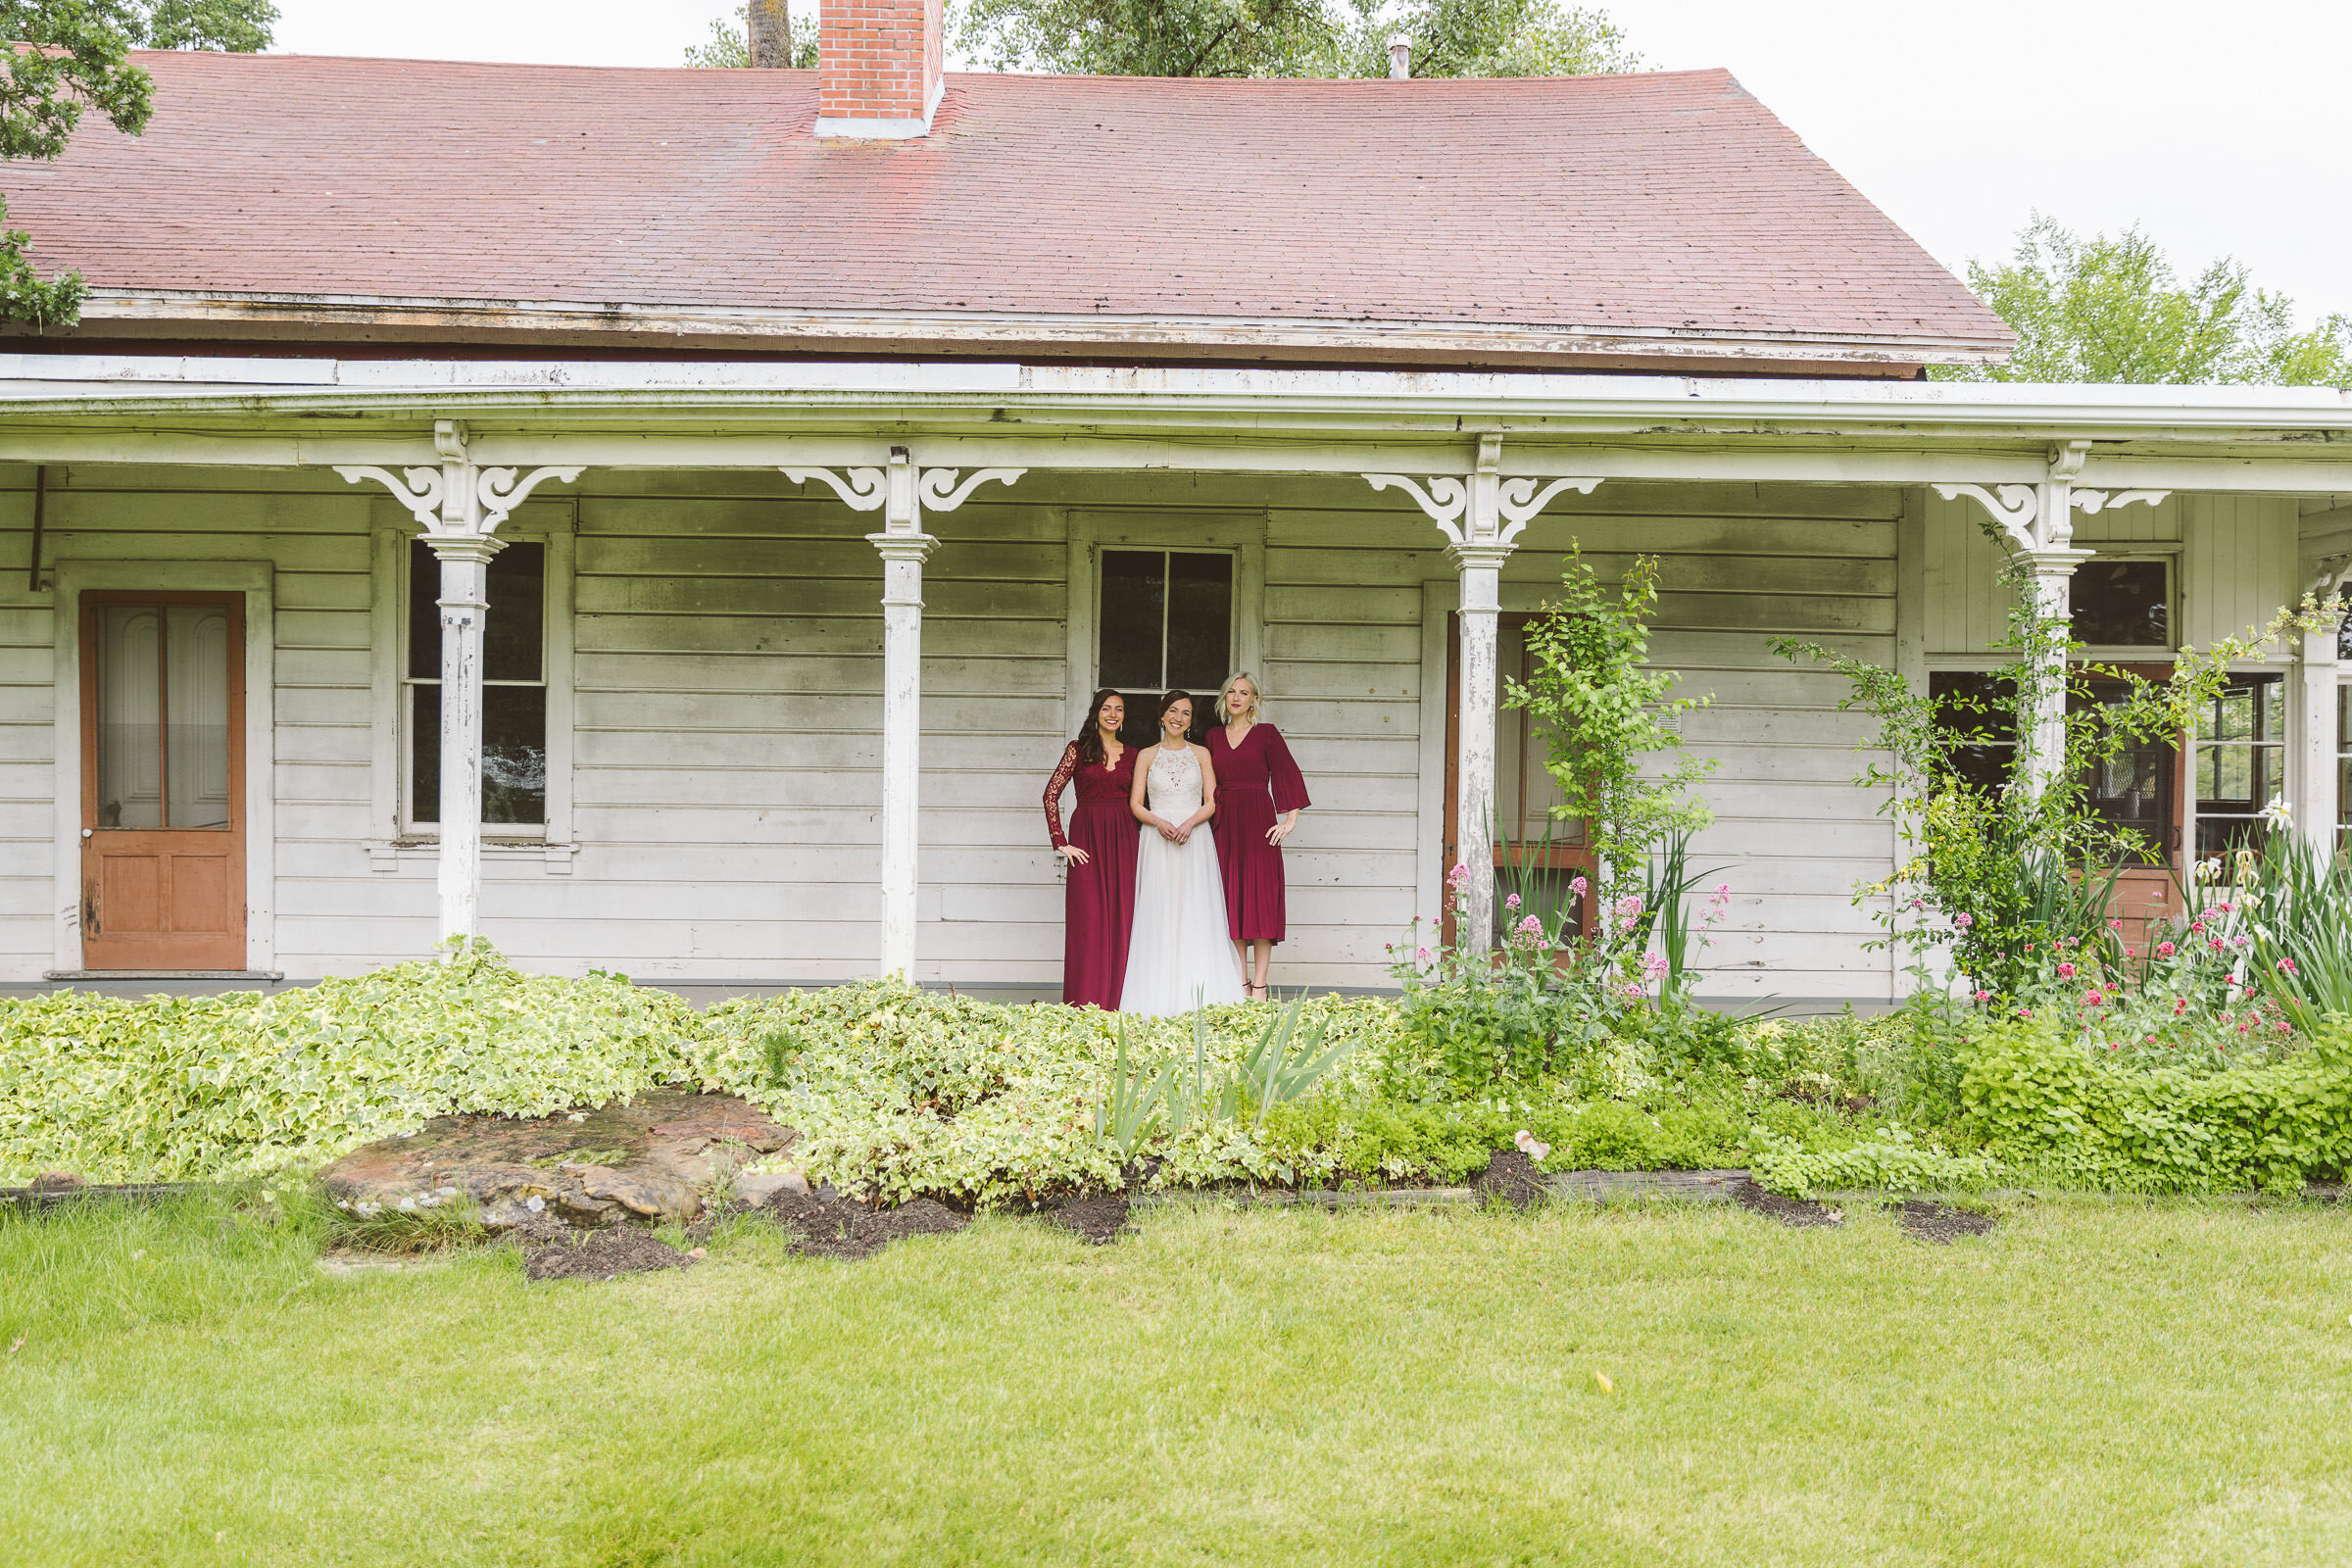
(1292, 37)
(730, 45)
(71, 54)
(2111, 309)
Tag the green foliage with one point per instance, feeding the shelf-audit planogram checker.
(25, 295)
(2008, 878)
(2108, 309)
(178, 1088)
(1891, 1162)
(81, 61)
(2040, 1099)
(730, 43)
(2302, 948)
(1292, 37)
(1447, 1143)
(1606, 716)
(900, 1093)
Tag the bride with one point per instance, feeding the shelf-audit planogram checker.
(1179, 955)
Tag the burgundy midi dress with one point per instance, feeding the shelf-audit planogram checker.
(1099, 904)
(1256, 782)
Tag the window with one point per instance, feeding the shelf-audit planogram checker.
(2242, 762)
(2135, 789)
(2122, 604)
(1166, 623)
(514, 689)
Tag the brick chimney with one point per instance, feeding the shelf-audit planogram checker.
(881, 66)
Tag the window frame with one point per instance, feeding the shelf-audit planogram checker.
(394, 833)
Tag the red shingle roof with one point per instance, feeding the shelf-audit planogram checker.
(1671, 202)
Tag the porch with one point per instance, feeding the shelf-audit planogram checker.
(765, 702)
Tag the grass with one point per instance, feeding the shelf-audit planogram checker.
(2096, 1382)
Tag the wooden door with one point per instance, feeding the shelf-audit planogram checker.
(2144, 788)
(162, 768)
(1535, 853)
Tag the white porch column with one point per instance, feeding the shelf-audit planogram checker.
(460, 505)
(902, 491)
(2312, 777)
(2036, 524)
(465, 608)
(1482, 515)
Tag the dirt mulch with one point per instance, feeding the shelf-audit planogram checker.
(841, 1228)
(1095, 1218)
(1942, 1223)
(601, 1255)
(1511, 1178)
(1799, 1212)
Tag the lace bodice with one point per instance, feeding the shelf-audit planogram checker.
(1173, 792)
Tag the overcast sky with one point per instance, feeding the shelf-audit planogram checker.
(2222, 132)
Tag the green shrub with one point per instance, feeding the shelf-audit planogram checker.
(1888, 1159)
(2039, 1100)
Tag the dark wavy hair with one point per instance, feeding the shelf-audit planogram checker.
(1169, 700)
(1089, 736)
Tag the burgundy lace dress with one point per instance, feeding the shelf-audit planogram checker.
(1256, 782)
(1098, 907)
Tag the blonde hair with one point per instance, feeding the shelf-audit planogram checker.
(1257, 709)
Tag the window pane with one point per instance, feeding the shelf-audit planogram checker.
(1980, 707)
(1133, 611)
(513, 755)
(2135, 789)
(2122, 604)
(424, 613)
(196, 684)
(514, 632)
(1200, 625)
(513, 639)
(131, 711)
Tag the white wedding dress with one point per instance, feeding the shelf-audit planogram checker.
(1181, 952)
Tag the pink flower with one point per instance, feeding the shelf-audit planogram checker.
(1653, 966)
(2092, 1000)
(1511, 903)
(1420, 954)
(2286, 966)
(2024, 1012)
(2180, 1006)
(1963, 920)
(2164, 950)
(2115, 925)
(1983, 997)
(2065, 972)
(2226, 909)
(1458, 876)
(2130, 954)
(2215, 944)
(1579, 885)
(1530, 927)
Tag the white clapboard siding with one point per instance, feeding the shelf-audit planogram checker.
(1793, 834)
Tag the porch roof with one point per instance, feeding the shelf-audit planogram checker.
(1600, 220)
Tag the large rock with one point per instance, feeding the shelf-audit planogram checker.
(650, 1159)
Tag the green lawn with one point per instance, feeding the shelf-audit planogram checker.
(2094, 1384)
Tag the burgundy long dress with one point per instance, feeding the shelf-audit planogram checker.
(1098, 907)
(1256, 782)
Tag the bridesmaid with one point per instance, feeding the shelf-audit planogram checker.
(1100, 853)
(1249, 755)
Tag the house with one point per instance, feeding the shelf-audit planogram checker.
(669, 521)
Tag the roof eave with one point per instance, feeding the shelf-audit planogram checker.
(167, 313)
